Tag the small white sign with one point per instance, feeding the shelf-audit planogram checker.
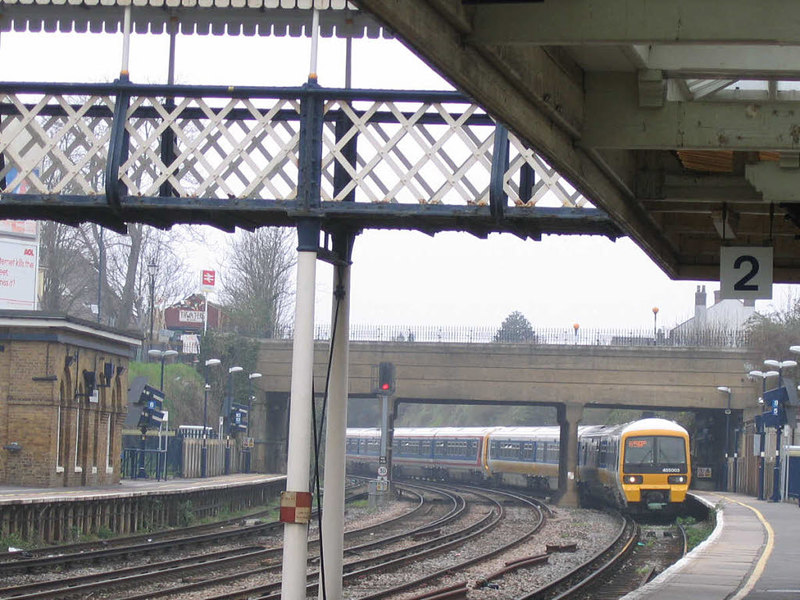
(383, 471)
(745, 272)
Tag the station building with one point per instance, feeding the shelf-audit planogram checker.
(63, 400)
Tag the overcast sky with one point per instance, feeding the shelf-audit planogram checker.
(399, 278)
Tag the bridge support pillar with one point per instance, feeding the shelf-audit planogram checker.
(569, 416)
(295, 528)
(330, 586)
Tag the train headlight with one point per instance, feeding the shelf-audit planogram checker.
(676, 479)
(632, 479)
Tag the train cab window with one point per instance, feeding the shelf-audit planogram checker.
(652, 454)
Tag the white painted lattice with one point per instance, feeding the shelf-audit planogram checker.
(247, 148)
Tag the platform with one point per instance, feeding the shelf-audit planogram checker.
(53, 515)
(128, 488)
(753, 554)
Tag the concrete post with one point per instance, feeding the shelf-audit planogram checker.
(295, 535)
(569, 416)
(335, 441)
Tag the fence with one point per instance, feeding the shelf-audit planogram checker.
(462, 334)
(181, 457)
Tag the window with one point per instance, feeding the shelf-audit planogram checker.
(653, 454)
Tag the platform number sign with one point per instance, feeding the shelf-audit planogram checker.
(745, 272)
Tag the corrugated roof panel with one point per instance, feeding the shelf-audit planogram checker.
(220, 17)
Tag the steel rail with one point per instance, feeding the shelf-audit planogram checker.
(591, 569)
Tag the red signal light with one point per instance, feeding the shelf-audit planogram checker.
(385, 386)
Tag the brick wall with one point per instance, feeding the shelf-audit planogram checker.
(64, 437)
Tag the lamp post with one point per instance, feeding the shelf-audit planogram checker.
(776, 471)
(204, 450)
(655, 325)
(151, 269)
(761, 433)
(727, 391)
(162, 355)
(227, 417)
(250, 397)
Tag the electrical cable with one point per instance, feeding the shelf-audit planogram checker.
(338, 294)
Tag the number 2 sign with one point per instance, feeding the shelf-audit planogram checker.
(745, 272)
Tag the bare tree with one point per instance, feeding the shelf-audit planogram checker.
(256, 284)
(68, 281)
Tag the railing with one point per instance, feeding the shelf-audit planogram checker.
(229, 144)
(706, 337)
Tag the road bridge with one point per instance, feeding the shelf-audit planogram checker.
(645, 377)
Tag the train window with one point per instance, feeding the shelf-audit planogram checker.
(671, 450)
(650, 454)
(527, 451)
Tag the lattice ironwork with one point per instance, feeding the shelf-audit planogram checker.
(236, 148)
(121, 152)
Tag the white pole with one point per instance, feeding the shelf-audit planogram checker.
(295, 535)
(126, 42)
(205, 314)
(312, 74)
(335, 443)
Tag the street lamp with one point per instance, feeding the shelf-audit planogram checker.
(227, 416)
(162, 355)
(655, 325)
(249, 416)
(761, 433)
(776, 471)
(727, 391)
(151, 269)
(204, 451)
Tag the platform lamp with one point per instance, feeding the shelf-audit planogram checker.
(780, 365)
(204, 450)
(151, 270)
(726, 390)
(761, 434)
(227, 415)
(250, 397)
(162, 356)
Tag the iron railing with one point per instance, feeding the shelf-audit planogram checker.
(711, 337)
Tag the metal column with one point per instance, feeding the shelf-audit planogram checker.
(335, 440)
(295, 535)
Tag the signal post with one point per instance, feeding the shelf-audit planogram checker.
(385, 389)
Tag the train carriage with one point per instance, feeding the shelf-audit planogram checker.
(524, 456)
(639, 466)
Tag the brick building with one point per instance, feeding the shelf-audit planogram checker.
(63, 400)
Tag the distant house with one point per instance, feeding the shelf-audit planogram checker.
(187, 318)
(723, 315)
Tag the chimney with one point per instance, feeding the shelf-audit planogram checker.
(717, 296)
(700, 306)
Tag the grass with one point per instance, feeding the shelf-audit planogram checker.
(696, 531)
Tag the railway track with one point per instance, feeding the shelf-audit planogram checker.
(190, 569)
(444, 544)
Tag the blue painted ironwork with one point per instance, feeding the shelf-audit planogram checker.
(497, 195)
(252, 156)
(117, 153)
